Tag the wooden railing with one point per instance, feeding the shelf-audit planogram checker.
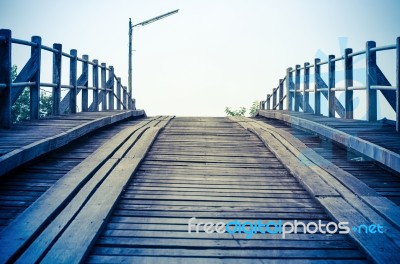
(296, 98)
(105, 93)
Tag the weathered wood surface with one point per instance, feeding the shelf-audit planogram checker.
(385, 183)
(30, 139)
(376, 140)
(212, 169)
(208, 168)
(21, 188)
(40, 229)
(349, 200)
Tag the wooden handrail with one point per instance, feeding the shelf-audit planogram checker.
(29, 76)
(375, 81)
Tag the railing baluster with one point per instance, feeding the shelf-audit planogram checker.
(103, 92)
(125, 98)
(331, 84)
(85, 92)
(280, 94)
(57, 59)
(289, 81)
(371, 94)
(348, 82)
(119, 93)
(72, 81)
(317, 76)
(133, 104)
(34, 100)
(95, 76)
(5, 78)
(296, 88)
(269, 103)
(306, 85)
(274, 99)
(111, 93)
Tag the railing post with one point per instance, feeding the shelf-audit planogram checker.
(306, 85)
(95, 75)
(125, 98)
(348, 82)
(398, 84)
(268, 102)
(34, 101)
(104, 88)
(297, 88)
(262, 105)
(119, 93)
(72, 81)
(370, 57)
(289, 81)
(331, 84)
(317, 76)
(280, 94)
(5, 78)
(111, 93)
(274, 98)
(57, 58)
(85, 92)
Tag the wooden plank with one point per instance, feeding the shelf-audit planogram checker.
(124, 240)
(131, 231)
(371, 150)
(73, 245)
(24, 154)
(297, 167)
(33, 179)
(384, 207)
(200, 260)
(27, 225)
(378, 247)
(361, 211)
(47, 238)
(256, 253)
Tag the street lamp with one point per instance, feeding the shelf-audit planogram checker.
(144, 23)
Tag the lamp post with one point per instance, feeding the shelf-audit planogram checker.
(144, 23)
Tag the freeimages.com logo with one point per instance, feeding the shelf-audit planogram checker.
(278, 227)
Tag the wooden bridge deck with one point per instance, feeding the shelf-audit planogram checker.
(23, 187)
(384, 182)
(376, 140)
(30, 139)
(102, 199)
(214, 170)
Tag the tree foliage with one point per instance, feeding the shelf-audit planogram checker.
(240, 112)
(254, 107)
(20, 109)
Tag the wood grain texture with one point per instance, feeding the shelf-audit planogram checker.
(358, 210)
(27, 225)
(31, 139)
(212, 169)
(375, 140)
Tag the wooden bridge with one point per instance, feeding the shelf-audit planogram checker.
(100, 182)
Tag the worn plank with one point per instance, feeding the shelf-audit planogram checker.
(72, 246)
(26, 225)
(33, 150)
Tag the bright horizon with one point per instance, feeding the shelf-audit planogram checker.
(211, 54)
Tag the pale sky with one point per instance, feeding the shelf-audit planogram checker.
(213, 53)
